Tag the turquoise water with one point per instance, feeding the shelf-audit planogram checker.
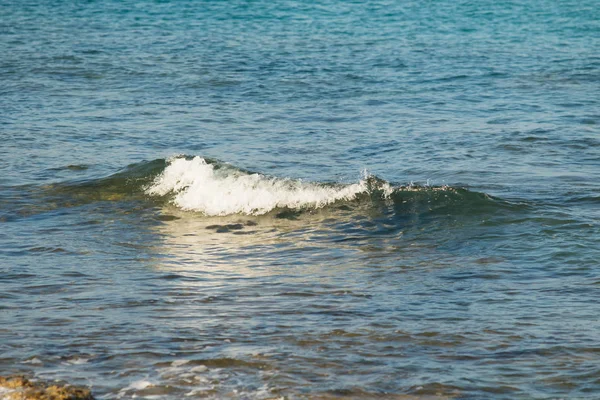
(301, 200)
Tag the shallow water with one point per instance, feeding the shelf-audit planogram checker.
(301, 200)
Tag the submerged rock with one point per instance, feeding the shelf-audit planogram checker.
(21, 388)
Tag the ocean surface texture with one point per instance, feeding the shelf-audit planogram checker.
(301, 199)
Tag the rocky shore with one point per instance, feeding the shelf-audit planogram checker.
(21, 388)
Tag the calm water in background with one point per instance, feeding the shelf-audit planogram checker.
(479, 280)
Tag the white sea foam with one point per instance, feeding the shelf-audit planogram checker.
(76, 361)
(199, 186)
(34, 360)
(136, 385)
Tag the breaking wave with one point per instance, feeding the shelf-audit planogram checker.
(218, 190)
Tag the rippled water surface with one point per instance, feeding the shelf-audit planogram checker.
(301, 200)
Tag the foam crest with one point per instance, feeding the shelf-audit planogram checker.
(218, 191)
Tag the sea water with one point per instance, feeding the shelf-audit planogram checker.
(301, 199)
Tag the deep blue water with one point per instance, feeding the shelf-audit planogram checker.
(253, 199)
